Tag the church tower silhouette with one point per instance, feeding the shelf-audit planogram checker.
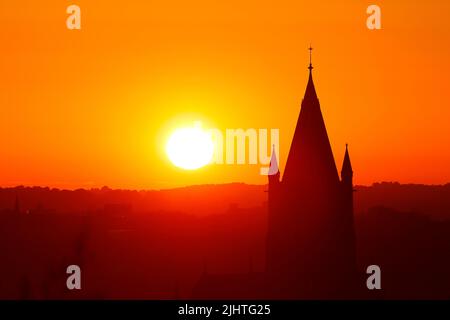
(311, 249)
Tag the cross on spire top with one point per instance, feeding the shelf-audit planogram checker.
(310, 58)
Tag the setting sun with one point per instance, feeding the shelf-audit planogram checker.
(190, 148)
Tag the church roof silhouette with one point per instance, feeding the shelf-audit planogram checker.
(310, 151)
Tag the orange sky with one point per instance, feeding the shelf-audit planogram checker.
(93, 107)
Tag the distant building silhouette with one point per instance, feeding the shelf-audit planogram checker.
(17, 205)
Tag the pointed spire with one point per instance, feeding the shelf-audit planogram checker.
(346, 165)
(273, 169)
(310, 92)
(310, 161)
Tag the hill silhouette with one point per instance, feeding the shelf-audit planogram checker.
(433, 200)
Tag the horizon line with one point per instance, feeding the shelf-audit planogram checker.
(105, 187)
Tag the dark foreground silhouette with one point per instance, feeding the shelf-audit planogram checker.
(128, 248)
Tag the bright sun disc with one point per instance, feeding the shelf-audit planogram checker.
(190, 148)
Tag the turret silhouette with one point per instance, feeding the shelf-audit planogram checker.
(347, 181)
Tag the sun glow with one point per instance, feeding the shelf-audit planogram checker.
(190, 148)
